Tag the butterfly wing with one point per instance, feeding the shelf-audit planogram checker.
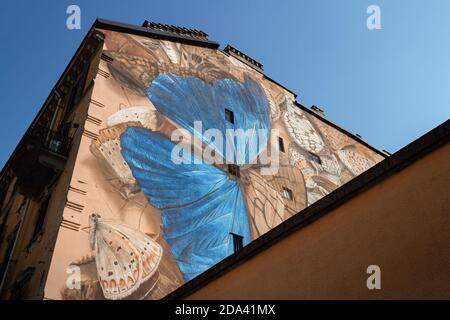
(273, 104)
(354, 160)
(133, 72)
(146, 116)
(200, 204)
(106, 149)
(302, 130)
(250, 107)
(150, 252)
(199, 233)
(186, 100)
(172, 50)
(119, 266)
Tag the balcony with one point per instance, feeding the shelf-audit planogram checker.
(40, 160)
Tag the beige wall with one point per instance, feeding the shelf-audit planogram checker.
(401, 224)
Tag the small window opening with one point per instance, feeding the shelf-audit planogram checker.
(287, 193)
(316, 158)
(238, 242)
(234, 170)
(281, 144)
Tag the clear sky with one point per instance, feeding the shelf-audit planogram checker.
(389, 85)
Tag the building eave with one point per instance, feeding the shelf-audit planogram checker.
(151, 33)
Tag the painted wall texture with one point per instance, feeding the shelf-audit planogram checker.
(144, 214)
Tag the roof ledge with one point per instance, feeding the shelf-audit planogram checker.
(244, 58)
(192, 33)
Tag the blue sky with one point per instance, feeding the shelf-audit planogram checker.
(389, 85)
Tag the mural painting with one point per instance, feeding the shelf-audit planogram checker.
(151, 224)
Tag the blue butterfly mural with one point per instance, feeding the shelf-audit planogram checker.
(200, 203)
(189, 99)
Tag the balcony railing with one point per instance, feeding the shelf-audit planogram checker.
(50, 140)
(40, 160)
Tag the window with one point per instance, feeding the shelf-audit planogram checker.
(315, 158)
(229, 116)
(287, 193)
(281, 144)
(238, 243)
(234, 170)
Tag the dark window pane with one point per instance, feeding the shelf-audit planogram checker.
(281, 144)
(315, 158)
(238, 243)
(234, 170)
(288, 194)
(229, 116)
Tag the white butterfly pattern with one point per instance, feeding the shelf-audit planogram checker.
(106, 148)
(301, 129)
(125, 258)
(146, 116)
(354, 161)
(172, 50)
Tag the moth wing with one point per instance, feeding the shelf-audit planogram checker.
(355, 161)
(150, 252)
(131, 71)
(118, 262)
(302, 130)
(146, 116)
(107, 150)
(172, 51)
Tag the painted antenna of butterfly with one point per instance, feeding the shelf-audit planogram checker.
(125, 258)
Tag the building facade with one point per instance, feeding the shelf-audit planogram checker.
(156, 156)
